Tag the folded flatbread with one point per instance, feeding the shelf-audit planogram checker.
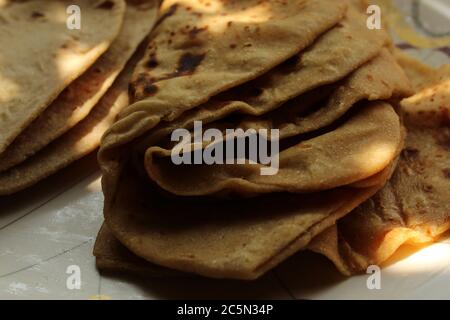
(192, 58)
(239, 239)
(414, 207)
(327, 161)
(113, 257)
(78, 99)
(334, 171)
(332, 56)
(85, 136)
(41, 55)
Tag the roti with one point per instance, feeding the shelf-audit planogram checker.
(363, 146)
(181, 227)
(79, 141)
(113, 257)
(414, 207)
(236, 239)
(370, 82)
(204, 56)
(78, 99)
(42, 55)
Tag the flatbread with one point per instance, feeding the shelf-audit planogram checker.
(42, 56)
(370, 82)
(363, 146)
(332, 57)
(419, 74)
(317, 66)
(308, 112)
(79, 141)
(414, 207)
(199, 61)
(78, 99)
(239, 239)
(379, 79)
(112, 257)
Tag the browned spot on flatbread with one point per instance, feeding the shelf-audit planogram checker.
(152, 61)
(107, 5)
(195, 31)
(143, 80)
(428, 188)
(188, 63)
(150, 89)
(37, 14)
(446, 173)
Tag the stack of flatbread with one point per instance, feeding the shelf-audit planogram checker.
(64, 73)
(311, 69)
(360, 147)
(414, 206)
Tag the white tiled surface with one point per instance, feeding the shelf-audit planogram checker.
(52, 226)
